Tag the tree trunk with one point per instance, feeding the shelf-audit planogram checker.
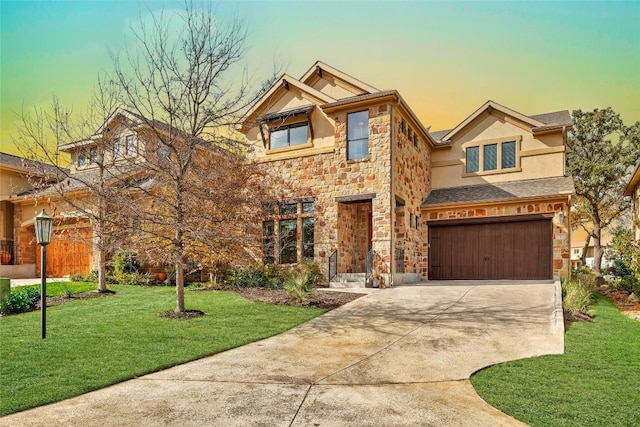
(180, 287)
(102, 270)
(597, 248)
(585, 249)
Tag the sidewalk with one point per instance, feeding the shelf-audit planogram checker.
(35, 281)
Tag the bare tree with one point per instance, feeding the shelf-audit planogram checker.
(189, 90)
(86, 194)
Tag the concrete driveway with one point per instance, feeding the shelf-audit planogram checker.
(397, 357)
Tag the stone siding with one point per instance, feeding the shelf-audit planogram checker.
(329, 175)
(561, 229)
(412, 181)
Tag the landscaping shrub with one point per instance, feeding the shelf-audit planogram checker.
(586, 277)
(125, 262)
(301, 288)
(272, 276)
(133, 279)
(91, 277)
(316, 277)
(575, 296)
(20, 301)
(257, 276)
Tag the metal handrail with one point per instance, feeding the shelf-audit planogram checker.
(333, 265)
(369, 266)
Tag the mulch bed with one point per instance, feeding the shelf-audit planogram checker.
(57, 300)
(324, 300)
(621, 300)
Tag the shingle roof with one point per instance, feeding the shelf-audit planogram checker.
(439, 134)
(554, 118)
(356, 98)
(27, 165)
(501, 191)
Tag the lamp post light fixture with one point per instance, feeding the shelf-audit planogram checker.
(43, 224)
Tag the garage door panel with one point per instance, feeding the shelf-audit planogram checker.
(510, 250)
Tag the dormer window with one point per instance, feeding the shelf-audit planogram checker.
(132, 147)
(289, 135)
(126, 147)
(82, 158)
(93, 155)
(117, 149)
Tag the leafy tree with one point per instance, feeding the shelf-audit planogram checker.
(600, 166)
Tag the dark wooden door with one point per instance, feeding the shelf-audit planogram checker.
(510, 250)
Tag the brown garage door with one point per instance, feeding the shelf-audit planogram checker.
(509, 250)
(70, 252)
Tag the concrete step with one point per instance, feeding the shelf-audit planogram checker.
(348, 280)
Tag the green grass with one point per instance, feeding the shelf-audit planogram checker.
(94, 343)
(595, 383)
(60, 288)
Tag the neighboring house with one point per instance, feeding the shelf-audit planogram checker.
(578, 240)
(17, 240)
(633, 190)
(361, 187)
(114, 154)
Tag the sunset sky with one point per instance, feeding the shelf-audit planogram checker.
(445, 58)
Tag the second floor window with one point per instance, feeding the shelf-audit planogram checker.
(117, 149)
(491, 157)
(290, 135)
(82, 158)
(131, 145)
(93, 155)
(358, 135)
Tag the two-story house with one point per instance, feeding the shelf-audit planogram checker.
(362, 187)
(633, 191)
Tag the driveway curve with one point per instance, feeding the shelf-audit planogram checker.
(397, 357)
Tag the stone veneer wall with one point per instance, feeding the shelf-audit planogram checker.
(330, 175)
(561, 229)
(412, 182)
(353, 232)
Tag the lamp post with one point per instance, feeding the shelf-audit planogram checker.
(43, 224)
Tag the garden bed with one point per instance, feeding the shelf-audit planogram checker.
(323, 299)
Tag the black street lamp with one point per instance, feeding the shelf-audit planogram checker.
(43, 224)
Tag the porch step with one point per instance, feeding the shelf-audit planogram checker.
(348, 280)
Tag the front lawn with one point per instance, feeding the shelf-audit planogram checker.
(97, 342)
(595, 383)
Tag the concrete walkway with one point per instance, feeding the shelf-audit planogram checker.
(36, 281)
(397, 357)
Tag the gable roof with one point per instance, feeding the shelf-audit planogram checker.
(282, 84)
(320, 67)
(539, 122)
(525, 189)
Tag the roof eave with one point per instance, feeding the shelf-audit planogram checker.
(475, 203)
